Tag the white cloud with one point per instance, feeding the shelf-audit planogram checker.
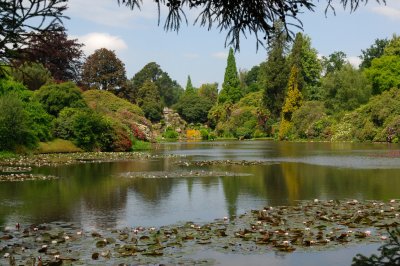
(390, 12)
(109, 13)
(96, 40)
(355, 61)
(220, 55)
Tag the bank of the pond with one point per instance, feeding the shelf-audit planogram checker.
(308, 226)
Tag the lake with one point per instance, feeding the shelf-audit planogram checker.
(99, 195)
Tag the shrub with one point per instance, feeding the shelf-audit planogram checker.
(56, 97)
(170, 133)
(86, 128)
(14, 124)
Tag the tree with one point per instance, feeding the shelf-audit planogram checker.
(231, 87)
(293, 102)
(32, 75)
(374, 51)
(345, 89)
(168, 89)
(384, 73)
(60, 55)
(193, 108)
(240, 17)
(19, 20)
(14, 124)
(393, 46)
(333, 62)
(273, 76)
(209, 91)
(189, 87)
(150, 101)
(103, 70)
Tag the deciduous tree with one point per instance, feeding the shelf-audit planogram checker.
(103, 70)
(56, 52)
(374, 51)
(19, 20)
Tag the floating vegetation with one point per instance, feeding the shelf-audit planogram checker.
(72, 158)
(221, 162)
(26, 177)
(310, 225)
(10, 169)
(181, 173)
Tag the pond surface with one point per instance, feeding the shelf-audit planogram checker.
(100, 195)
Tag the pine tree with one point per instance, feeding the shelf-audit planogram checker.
(296, 58)
(231, 87)
(189, 87)
(293, 101)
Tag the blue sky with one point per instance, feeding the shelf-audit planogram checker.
(137, 39)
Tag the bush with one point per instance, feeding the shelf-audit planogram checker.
(14, 124)
(170, 133)
(56, 97)
(87, 129)
(193, 108)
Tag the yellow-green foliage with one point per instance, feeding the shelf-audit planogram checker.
(292, 102)
(107, 103)
(245, 119)
(58, 146)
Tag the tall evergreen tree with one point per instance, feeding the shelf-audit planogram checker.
(274, 74)
(293, 101)
(231, 91)
(296, 58)
(189, 87)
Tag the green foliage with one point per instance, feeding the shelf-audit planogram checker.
(245, 119)
(345, 89)
(209, 91)
(149, 101)
(87, 129)
(32, 75)
(292, 102)
(170, 134)
(333, 62)
(189, 87)
(140, 145)
(307, 121)
(40, 120)
(311, 70)
(274, 75)
(55, 97)
(14, 124)
(251, 80)
(126, 119)
(393, 46)
(103, 70)
(57, 146)
(372, 121)
(193, 108)
(376, 50)
(384, 73)
(389, 253)
(231, 87)
(169, 89)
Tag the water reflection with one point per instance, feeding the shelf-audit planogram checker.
(97, 195)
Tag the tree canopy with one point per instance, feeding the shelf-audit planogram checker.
(243, 17)
(103, 70)
(19, 20)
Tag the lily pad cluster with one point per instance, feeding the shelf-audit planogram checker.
(56, 159)
(310, 225)
(25, 177)
(221, 162)
(180, 173)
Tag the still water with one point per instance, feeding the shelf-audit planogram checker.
(100, 196)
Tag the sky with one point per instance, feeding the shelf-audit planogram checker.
(137, 39)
